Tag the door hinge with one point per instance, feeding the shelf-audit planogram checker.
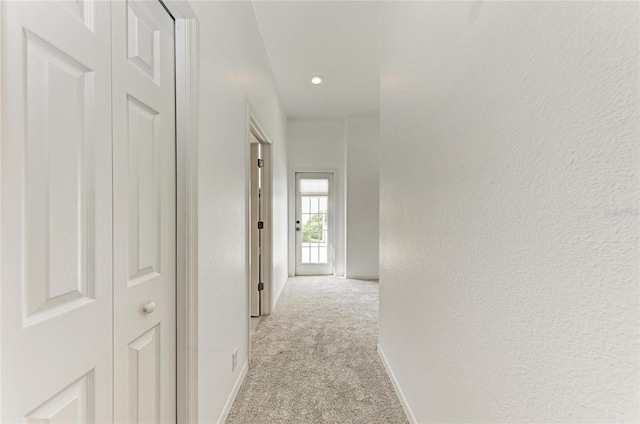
(260, 163)
(260, 225)
(260, 286)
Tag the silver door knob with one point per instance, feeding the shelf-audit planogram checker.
(149, 307)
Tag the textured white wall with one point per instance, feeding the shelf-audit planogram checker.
(509, 210)
(233, 68)
(317, 145)
(362, 168)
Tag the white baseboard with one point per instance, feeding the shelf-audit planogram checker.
(363, 277)
(396, 386)
(277, 298)
(234, 393)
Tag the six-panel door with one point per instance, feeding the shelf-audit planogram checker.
(143, 212)
(56, 260)
(88, 254)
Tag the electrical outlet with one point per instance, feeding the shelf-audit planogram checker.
(234, 359)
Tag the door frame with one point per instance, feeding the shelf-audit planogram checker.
(266, 213)
(255, 125)
(187, 87)
(292, 213)
(1, 144)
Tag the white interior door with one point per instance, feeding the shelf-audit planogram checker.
(56, 259)
(314, 223)
(144, 220)
(257, 265)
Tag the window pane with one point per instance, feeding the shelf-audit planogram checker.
(314, 204)
(314, 255)
(305, 202)
(305, 255)
(323, 204)
(323, 255)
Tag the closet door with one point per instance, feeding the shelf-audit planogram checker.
(55, 197)
(144, 199)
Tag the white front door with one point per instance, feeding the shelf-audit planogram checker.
(56, 259)
(314, 223)
(144, 217)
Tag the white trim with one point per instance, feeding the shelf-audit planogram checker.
(256, 124)
(396, 386)
(292, 198)
(232, 396)
(1, 149)
(362, 277)
(187, 61)
(277, 297)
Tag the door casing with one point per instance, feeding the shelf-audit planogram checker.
(293, 211)
(255, 126)
(187, 89)
(258, 300)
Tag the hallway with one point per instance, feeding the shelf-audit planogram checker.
(314, 359)
(467, 170)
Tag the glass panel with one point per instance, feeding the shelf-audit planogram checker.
(314, 206)
(314, 224)
(314, 255)
(323, 254)
(323, 203)
(311, 225)
(314, 186)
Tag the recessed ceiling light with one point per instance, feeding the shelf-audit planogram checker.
(316, 80)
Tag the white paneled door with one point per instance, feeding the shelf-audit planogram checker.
(144, 218)
(88, 199)
(56, 259)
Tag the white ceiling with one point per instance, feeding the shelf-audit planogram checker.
(338, 40)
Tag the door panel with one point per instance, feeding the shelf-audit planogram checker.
(144, 212)
(314, 223)
(72, 405)
(144, 377)
(56, 259)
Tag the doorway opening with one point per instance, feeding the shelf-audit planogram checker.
(260, 224)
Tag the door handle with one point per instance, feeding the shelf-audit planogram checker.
(149, 307)
(297, 225)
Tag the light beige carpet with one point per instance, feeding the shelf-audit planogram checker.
(315, 359)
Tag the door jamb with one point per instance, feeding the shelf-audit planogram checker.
(255, 125)
(187, 86)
